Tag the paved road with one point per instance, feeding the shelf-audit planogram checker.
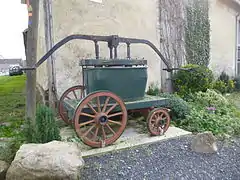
(171, 159)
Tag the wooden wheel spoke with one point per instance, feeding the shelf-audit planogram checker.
(115, 114)
(86, 114)
(68, 97)
(96, 133)
(90, 106)
(88, 131)
(115, 122)
(74, 93)
(104, 133)
(105, 104)
(163, 119)
(109, 110)
(81, 95)
(152, 120)
(161, 116)
(110, 129)
(86, 123)
(98, 104)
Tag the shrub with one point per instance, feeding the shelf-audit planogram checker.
(153, 90)
(237, 83)
(211, 111)
(224, 84)
(230, 86)
(199, 120)
(224, 87)
(211, 98)
(220, 86)
(224, 77)
(200, 78)
(179, 107)
(45, 129)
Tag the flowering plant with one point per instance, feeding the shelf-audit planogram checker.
(211, 109)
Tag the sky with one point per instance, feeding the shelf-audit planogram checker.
(13, 21)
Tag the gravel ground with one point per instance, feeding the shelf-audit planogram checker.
(170, 159)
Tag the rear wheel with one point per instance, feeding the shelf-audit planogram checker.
(158, 121)
(73, 93)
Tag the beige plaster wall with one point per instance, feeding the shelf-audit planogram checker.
(128, 18)
(222, 15)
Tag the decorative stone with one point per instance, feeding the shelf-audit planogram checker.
(54, 160)
(3, 169)
(204, 143)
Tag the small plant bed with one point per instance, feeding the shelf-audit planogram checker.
(211, 111)
(204, 103)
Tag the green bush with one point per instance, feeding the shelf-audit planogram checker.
(224, 77)
(179, 107)
(200, 78)
(237, 83)
(211, 98)
(153, 90)
(224, 87)
(45, 129)
(210, 111)
(224, 84)
(199, 120)
(220, 86)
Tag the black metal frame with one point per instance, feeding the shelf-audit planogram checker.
(113, 42)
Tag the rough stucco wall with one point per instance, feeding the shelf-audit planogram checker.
(223, 36)
(136, 18)
(41, 49)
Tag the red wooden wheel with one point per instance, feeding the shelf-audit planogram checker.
(158, 121)
(100, 119)
(74, 93)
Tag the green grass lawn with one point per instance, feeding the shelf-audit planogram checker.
(12, 104)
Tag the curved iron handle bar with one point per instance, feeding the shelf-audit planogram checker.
(108, 39)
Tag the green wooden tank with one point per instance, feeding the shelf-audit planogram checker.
(125, 78)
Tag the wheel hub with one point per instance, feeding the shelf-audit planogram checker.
(159, 122)
(102, 119)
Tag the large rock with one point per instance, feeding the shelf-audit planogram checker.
(3, 169)
(204, 143)
(51, 161)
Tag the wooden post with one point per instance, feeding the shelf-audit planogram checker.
(51, 60)
(31, 58)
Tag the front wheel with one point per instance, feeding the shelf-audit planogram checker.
(100, 118)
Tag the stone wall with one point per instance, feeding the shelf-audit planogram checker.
(136, 19)
(223, 39)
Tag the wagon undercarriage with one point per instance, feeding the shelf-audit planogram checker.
(101, 117)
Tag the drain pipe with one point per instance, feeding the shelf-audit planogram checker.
(237, 37)
(47, 4)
